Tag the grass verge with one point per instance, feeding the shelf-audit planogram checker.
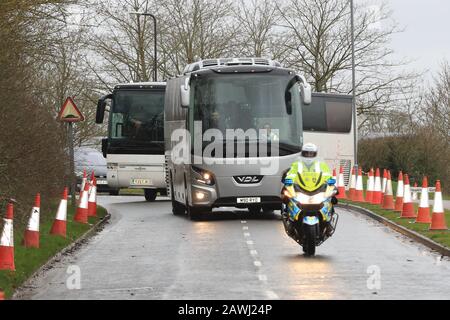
(441, 237)
(28, 261)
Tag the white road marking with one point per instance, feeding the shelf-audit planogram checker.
(247, 234)
(257, 263)
(243, 221)
(244, 228)
(250, 242)
(253, 252)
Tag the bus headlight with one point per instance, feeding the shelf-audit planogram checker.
(202, 176)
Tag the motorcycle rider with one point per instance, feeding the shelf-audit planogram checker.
(309, 162)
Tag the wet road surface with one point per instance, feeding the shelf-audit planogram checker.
(147, 253)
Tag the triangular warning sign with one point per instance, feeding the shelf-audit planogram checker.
(69, 112)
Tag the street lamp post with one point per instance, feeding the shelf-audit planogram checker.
(355, 125)
(155, 62)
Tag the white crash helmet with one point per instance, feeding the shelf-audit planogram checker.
(309, 153)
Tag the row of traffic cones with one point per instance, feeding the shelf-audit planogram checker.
(379, 191)
(87, 207)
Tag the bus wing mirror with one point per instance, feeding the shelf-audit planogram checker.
(305, 92)
(101, 106)
(185, 93)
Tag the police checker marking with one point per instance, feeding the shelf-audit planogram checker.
(141, 182)
(249, 200)
(102, 182)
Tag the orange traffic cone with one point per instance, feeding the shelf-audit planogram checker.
(359, 192)
(7, 241)
(388, 199)
(383, 185)
(31, 237)
(83, 184)
(438, 219)
(376, 198)
(423, 214)
(82, 209)
(408, 207)
(370, 186)
(334, 174)
(351, 195)
(60, 224)
(399, 195)
(2, 295)
(92, 202)
(341, 185)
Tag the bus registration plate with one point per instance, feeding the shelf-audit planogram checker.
(141, 182)
(249, 200)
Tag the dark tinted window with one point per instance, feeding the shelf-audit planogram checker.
(328, 114)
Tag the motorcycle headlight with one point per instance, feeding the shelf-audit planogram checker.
(203, 176)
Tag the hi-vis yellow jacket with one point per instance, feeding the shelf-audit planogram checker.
(310, 177)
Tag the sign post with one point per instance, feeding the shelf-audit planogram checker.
(69, 113)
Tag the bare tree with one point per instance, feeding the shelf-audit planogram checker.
(31, 143)
(319, 41)
(195, 29)
(436, 110)
(257, 19)
(121, 43)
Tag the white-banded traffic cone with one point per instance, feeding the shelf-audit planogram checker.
(92, 202)
(334, 175)
(376, 198)
(408, 206)
(438, 218)
(341, 185)
(59, 226)
(82, 209)
(31, 237)
(399, 194)
(370, 186)
(359, 192)
(423, 214)
(83, 184)
(7, 240)
(388, 199)
(383, 185)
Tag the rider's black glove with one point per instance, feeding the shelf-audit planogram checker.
(334, 200)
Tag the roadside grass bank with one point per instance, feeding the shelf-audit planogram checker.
(28, 260)
(441, 237)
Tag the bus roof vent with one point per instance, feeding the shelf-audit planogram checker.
(211, 63)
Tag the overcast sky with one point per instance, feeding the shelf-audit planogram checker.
(426, 38)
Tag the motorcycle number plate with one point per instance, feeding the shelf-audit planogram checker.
(249, 200)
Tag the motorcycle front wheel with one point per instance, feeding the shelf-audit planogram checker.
(309, 245)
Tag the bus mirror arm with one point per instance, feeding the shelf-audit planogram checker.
(185, 93)
(101, 106)
(104, 147)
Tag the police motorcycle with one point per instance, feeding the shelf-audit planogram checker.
(307, 212)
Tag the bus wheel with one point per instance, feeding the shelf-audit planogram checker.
(114, 192)
(177, 208)
(150, 194)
